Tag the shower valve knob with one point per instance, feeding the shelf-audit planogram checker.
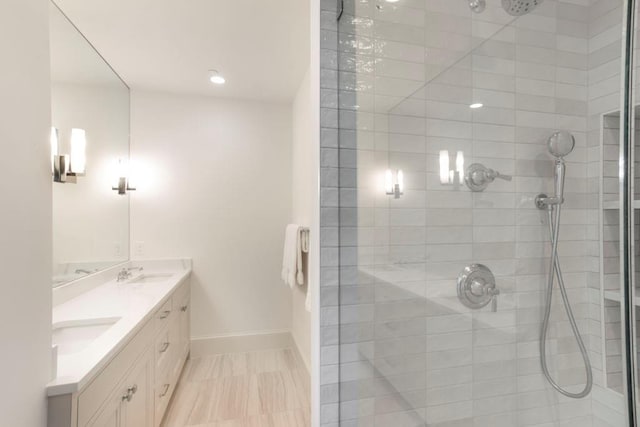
(477, 287)
(478, 177)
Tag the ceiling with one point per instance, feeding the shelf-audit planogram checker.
(260, 46)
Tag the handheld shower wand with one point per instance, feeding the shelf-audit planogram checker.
(560, 144)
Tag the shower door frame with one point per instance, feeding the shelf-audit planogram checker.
(627, 214)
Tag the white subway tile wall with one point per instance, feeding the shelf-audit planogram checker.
(397, 81)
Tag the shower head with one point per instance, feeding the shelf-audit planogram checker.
(478, 6)
(519, 7)
(561, 144)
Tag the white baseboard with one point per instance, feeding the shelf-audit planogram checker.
(203, 346)
(306, 363)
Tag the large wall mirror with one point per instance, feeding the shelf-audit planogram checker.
(90, 104)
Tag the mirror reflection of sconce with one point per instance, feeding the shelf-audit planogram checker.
(394, 188)
(448, 175)
(122, 179)
(67, 167)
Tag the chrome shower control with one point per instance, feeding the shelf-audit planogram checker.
(478, 177)
(477, 287)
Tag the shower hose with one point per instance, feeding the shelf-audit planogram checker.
(554, 270)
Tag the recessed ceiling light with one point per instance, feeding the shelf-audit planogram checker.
(216, 78)
(476, 105)
(393, 1)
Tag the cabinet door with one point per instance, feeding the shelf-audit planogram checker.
(110, 415)
(137, 411)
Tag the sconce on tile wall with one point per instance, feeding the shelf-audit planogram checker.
(122, 178)
(394, 183)
(448, 175)
(67, 167)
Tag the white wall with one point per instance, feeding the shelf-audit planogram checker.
(25, 220)
(214, 184)
(304, 206)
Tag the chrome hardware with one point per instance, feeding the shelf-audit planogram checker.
(478, 177)
(165, 390)
(123, 186)
(165, 314)
(477, 287)
(130, 392)
(184, 308)
(135, 268)
(544, 202)
(164, 347)
(123, 275)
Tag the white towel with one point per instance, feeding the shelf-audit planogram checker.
(292, 270)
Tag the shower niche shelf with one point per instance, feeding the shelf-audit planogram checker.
(615, 296)
(610, 296)
(615, 205)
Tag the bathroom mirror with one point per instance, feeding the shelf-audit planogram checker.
(90, 220)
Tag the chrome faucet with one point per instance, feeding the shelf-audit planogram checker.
(123, 275)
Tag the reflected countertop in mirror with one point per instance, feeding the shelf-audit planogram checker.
(90, 220)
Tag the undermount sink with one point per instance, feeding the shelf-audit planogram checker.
(151, 278)
(75, 336)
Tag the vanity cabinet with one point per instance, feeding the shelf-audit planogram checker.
(132, 403)
(134, 388)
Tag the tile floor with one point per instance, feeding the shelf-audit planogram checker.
(266, 388)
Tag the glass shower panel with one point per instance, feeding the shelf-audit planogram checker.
(445, 114)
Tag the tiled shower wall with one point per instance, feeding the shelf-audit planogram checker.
(397, 346)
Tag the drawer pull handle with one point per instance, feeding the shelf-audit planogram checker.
(164, 347)
(184, 308)
(130, 392)
(165, 390)
(165, 314)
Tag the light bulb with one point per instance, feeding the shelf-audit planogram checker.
(460, 164)
(444, 167)
(54, 146)
(388, 181)
(78, 151)
(216, 78)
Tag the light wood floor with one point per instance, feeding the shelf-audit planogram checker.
(267, 388)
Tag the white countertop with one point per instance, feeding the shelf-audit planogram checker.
(133, 303)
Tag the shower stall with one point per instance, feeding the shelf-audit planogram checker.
(478, 213)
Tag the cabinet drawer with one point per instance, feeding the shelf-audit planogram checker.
(163, 348)
(164, 315)
(162, 394)
(96, 393)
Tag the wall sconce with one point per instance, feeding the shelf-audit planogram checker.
(395, 189)
(448, 175)
(122, 184)
(67, 167)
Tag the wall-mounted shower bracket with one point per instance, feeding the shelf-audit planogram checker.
(543, 202)
(477, 287)
(478, 177)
